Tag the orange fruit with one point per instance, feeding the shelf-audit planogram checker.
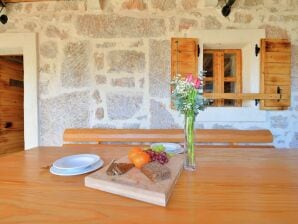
(141, 159)
(133, 152)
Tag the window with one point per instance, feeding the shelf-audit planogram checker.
(223, 74)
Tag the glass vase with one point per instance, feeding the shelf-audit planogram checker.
(189, 142)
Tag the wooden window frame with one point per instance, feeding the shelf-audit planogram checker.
(218, 78)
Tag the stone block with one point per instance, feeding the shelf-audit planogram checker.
(275, 32)
(242, 18)
(279, 121)
(164, 4)
(126, 61)
(159, 68)
(160, 117)
(68, 110)
(121, 106)
(186, 24)
(211, 22)
(99, 113)
(96, 96)
(48, 49)
(100, 79)
(189, 4)
(123, 82)
(106, 45)
(75, 66)
(113, 26)
(98, 60)
(134, 4)
(55, 32)
(294, 141)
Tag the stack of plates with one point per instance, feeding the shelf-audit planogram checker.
(76, 164)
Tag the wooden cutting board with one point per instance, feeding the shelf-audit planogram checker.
(134, 184)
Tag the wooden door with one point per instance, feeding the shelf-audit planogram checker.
(11, 105)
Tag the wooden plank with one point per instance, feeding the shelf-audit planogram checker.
(246, 96)
(278, 68)
(276, 80)
(275, 71)
(134, 184)
(166, 135)
(280, 57)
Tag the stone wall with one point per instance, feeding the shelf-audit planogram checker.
(110, 67)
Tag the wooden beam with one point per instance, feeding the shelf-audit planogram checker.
(245, 96)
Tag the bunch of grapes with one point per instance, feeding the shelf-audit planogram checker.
(161, 157)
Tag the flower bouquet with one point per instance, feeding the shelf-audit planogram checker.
(187, 97)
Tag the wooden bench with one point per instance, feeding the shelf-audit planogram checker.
(224, 137)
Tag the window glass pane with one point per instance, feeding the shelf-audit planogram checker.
(208, 87)
(229, 87)
(229, 103)
(230, 65)
(208, 64)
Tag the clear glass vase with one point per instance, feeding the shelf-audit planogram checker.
(189, 142)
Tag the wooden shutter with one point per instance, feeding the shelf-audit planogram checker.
(276, 72)
(184, 56)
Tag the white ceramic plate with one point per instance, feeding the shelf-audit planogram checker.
(88, 169)
(170, 147)
(76, 162)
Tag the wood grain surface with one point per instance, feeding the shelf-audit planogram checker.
(134, 184)
(230, 186)
(166, 135)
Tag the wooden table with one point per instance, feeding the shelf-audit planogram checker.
(231, 186)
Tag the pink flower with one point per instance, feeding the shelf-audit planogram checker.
(189, 78)
(197, 83)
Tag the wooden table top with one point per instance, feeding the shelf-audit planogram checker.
(230, 186)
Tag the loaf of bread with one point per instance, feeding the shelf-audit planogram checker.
(156, 172)
(116, 169)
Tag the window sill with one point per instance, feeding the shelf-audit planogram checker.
(232, 114)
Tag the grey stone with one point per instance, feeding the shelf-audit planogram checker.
(96, 96)
(164, 4)
(242, 18)
(186, 24)
(211, 22)
(98, 60)
(279, 121)
(54, 32)
(67, 5)
(75, 66)
(253, 2)
(49, 49)
(106, 45)
(160, 117)
(222, 126)
(121, 106)
(31, 26)
(123, 82)
(159, 68)
(294, 141)
(275, 32)
(126, 61)
(64, 111)
(99, 114)
(131, 125)
(138, 43)
(189, 4)
(113, 26)
(100, 79)
(141, 82)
